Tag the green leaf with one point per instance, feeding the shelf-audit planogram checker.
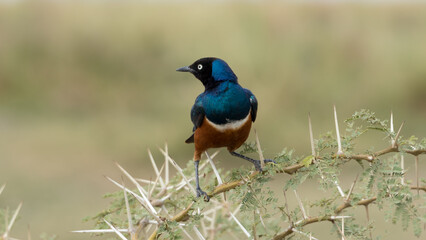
(307, 160)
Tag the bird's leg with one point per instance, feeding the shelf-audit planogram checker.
(255, 162)
(198, 189)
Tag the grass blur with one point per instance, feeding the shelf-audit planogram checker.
(86, 84)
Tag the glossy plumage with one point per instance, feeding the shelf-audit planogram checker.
(223, 114)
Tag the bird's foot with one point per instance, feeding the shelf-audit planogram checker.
(270, 161)
(202, 193)
(258, 165)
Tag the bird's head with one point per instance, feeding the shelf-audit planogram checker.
(210, 71)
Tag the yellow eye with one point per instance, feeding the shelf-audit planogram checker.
(200, 66)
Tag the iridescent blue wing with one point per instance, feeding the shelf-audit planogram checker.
(197, 117)
(253, 103)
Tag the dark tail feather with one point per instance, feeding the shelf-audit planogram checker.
(190, 139)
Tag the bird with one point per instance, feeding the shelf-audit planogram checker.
(222, 115)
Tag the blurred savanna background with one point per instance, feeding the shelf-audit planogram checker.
(84, 84)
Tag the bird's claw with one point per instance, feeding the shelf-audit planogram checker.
(258, 165)
(204, 194)
(270, 161)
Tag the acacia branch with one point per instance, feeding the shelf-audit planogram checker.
(311, 220)
(183, 215)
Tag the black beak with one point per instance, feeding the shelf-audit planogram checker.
(185, 69)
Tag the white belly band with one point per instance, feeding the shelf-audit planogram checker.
(234, 125)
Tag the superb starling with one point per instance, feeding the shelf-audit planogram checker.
(222, 115)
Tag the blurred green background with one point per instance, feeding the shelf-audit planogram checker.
(85, 84)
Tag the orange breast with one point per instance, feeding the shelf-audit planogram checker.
(210, 136)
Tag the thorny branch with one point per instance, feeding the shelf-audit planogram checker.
(186, 213)
(293, 169)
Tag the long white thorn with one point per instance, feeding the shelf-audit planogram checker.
(212, 222)
(166, 148)
(28, 233)
(197, 232)
(339, 188)
(235, 212)
(339, 217)
(12, 221)
(339, 143)
(392, 128)
(397, 134)
(139, 198)
(186, 233)
(100, 231)
(211, 210)
(219, 179)
(302, 233)
(154, 166)
(300, 205)
(115, 230)
(311, 135)
(140, 188)
(178, 169)
(129, 215)
(259, 150)
(261, 219)
(402, 169)
(240, 225)
(156, 181)
(203, 226)
(2, 188)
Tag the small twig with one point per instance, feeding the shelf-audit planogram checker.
(254, 225)
(338, 229)
(416, 166)
(418, 188)
(311, 135)
(352, 188)
(259, 150)
(367, 214)
(300, 205)
(286, 207)
(395, 143)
